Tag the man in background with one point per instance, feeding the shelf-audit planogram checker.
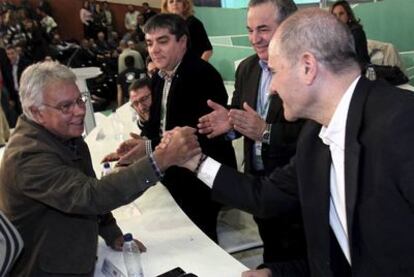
(257, 115)
(141, 99)
(180, 91)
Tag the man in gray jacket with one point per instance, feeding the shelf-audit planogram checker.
(47, 184)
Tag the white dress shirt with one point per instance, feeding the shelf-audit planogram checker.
(334, 136)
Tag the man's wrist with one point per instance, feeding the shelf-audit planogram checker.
(203, 157)
(265, 138)
(157, 164)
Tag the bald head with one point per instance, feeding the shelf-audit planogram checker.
(320, 33)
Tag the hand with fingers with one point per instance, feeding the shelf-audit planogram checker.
(215, 123)
(119, 241)
(177, 147)
(247, 122)
(191, 164)
(125, 147)
(131, 149)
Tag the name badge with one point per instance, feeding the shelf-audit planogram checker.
(258, 149)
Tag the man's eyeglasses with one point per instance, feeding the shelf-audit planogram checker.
(141, 101)
(67, 107)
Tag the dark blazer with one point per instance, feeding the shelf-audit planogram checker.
(284, 134)
(194, 83)
(379, 176)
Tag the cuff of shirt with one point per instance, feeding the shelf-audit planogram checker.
(208, 171)
(148, 147)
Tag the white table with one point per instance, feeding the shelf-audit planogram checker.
(171, 238)
(82, 74)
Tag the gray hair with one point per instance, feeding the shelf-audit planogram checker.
(321, 34)
(36, 78)
(284, 7)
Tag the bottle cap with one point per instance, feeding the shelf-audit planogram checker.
(128, 237)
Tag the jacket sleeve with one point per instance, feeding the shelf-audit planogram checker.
(268, 196)
(68, 189)
(108, 228)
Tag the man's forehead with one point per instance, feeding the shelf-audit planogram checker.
(139, 92)
(262, 14)
(157, 33)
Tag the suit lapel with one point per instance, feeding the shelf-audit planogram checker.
(352, 149)
(313, 165)
(275, 107)
(253, 85)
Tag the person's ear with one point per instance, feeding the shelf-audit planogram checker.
(183, 40)
(37, 114)
(309, 66)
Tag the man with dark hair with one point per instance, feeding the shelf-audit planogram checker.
(125, 79)
(180, 92)
(257, 115)
(352, 173)
(141, 99)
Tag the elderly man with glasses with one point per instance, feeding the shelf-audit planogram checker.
(47, 185)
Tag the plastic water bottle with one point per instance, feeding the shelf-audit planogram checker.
(370, 74)
(106, 169)
(118, 127)
(132, 257)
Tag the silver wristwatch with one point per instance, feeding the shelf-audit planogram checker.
(266, 134)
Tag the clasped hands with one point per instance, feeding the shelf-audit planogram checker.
(221, 120)
(178, 146)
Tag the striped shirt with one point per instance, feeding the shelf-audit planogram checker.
(11, 245)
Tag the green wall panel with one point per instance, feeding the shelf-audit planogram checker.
(387, 20)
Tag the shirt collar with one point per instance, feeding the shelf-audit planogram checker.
(334, 133)
(168, 76)
(263, 65)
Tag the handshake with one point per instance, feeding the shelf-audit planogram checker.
(178, 147)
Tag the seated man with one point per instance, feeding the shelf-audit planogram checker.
(47, 185)
(141, 99)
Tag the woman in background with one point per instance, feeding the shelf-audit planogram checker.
(342, 10)
(86, 18)
(199, 43)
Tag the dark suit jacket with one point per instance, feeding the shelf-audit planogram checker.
(194, 83)
(284, 134)
(379, 178)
